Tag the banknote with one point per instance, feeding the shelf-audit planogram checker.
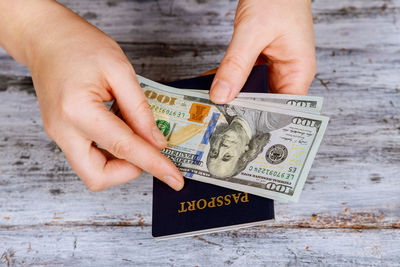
(313, 103)
(307, 103)
(250, 146)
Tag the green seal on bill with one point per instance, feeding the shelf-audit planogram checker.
(164, 126)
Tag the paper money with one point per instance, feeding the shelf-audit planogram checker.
(309, 102)
(302, 103)
(257, 147)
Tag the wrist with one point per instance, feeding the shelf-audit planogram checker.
(59, 30)
(33, 28)
(18, 18)
(48, 31)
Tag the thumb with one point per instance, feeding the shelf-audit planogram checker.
(236, 66)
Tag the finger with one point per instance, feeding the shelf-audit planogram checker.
(115, 136)
(292, 69)
(236, 65)
(93, 167)
(291, 58)
(291, 77)
(133, 103)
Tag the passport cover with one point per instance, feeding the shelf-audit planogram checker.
(201, 208)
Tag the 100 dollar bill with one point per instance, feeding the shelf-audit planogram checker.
(255, 147)
(303, 103)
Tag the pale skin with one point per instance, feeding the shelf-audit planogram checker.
(75, 68)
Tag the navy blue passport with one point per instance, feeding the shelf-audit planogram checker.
(201, 208)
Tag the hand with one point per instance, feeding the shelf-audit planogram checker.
(76, 68)
(277, 32)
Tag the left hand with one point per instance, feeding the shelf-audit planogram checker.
(277, 32)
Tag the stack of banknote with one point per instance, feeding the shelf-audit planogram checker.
(262, 144)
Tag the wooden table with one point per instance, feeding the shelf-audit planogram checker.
(348, 214)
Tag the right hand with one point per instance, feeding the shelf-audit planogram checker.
(76, 68)
(275, 32)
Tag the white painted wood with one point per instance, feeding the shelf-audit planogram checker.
(259, 246)
(354, 182)
(206, 26)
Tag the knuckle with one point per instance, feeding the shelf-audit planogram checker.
(309, 70)
(122, 148)
(95, 185)
(143, 107)
(248, 22)
(72, 107)
(138, 174)
(69, 111)
(236, 63)
(50, 130)
(125, 66)
(153, 165)
(313, 68)
(118, 66)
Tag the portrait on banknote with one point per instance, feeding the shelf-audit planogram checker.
(235, 144)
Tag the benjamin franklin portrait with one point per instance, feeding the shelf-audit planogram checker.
(234, 145)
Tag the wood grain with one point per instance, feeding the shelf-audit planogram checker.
(258, 246)
(348, 214)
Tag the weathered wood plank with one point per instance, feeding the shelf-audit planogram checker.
(259, 246)
(342, 24)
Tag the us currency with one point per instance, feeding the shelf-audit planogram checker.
(312, 104)
(257, 148)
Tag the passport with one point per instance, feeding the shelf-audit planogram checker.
(201, 208)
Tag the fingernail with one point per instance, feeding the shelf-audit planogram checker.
(220, 92)
(174, 182)
(159, 137)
